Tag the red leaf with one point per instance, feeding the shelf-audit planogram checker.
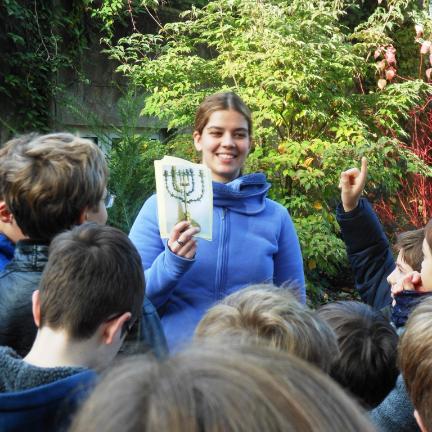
(390, 55)
(390, 73)
(377, 52)
(428, 73)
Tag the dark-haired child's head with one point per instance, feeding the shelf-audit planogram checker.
(264, 314)
(367, 365)
(93, 282)
(415, 360)
(52, 182)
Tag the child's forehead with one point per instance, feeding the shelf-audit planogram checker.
(401, 260)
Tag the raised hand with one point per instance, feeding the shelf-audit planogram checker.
(351, 184)
(181, 241)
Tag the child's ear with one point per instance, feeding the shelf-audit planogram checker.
(36, 307)
(5, 214)
(112, 329)
(419, 421)
(82, 217)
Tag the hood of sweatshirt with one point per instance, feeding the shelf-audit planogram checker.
(244, 195)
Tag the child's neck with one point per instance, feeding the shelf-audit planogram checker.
(55, 348)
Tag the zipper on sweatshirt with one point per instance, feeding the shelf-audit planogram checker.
(222, 256)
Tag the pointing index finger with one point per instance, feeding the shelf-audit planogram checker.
(364, 169)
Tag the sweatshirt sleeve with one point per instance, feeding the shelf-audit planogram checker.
(288, 261)
(162, 268)
(368, 252)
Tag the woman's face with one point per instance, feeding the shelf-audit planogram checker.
(224, 143)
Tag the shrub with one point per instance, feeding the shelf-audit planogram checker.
(317, 108)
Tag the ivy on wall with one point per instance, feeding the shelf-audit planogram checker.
(38, 39)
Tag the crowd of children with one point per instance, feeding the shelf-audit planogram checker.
(83, 348)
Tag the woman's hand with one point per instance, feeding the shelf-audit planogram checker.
(181, 241)
(351, 184)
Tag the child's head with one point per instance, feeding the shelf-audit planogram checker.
(409, 244)
(263, 314)
(8, 225)
(93, 282)
(415, 360)
(218, 389)
(52, 182)
(410, 255)
(368, 350)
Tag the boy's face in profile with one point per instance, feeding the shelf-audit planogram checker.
(402, 269)
(98, 214)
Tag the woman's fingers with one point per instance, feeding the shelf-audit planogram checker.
(189, 249)
(177, 230)
(181, 240)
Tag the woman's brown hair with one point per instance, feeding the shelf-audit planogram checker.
(221, 102)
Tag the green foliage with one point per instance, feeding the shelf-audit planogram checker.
(112, 14)
(316, 106)
(37, 41)
(131, 165)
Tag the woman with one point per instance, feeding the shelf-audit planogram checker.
(254, 239)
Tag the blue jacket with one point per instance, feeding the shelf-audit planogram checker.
(6, 251)
(369, 253)
(39, 399)
(254, 241)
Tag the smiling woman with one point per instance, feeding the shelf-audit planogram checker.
(224, 143)
(254, 239)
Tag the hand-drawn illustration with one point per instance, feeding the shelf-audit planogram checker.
(184, 192)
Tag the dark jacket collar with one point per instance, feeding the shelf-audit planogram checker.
(29, 255)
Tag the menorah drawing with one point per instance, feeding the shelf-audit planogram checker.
(180, 185)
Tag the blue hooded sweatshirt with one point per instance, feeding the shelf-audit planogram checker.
(254, 241)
